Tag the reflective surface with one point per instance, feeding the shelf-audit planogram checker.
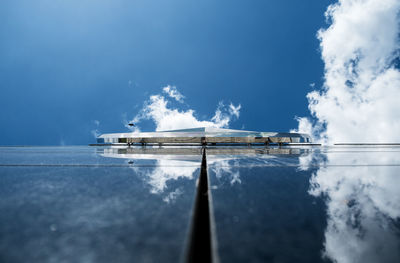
(363, 203)
(321, 204)
(71, 204)
(338, 204)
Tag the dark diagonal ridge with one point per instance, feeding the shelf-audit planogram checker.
(200, 247)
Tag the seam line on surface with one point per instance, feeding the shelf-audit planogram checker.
(201, 247)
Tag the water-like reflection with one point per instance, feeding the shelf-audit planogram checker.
(332, 204)
(346, 199)
(224, 163)
(171, 163)
(166, 165)
(362, 193)
(164, 171)
(267, 216)
(66, 204)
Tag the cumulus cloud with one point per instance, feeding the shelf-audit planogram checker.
(359, 98)
(165, 117)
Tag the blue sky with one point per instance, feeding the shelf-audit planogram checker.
(65, 64)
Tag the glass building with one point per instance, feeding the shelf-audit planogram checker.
(258, 203)
(203, 136)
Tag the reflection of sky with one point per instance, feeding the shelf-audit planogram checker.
(176, 165)
(226, 165)
(162, 168)
(360, 188)
(166, 170)
(87, 212)
(363, 204)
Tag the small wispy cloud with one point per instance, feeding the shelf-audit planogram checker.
(173, 93)
(95, 132)
(235, 110)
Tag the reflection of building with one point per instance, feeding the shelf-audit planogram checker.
(203, 136)
(190, 153)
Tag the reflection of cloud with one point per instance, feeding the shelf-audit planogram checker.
(363, 203)
(162, 166)
(360, 49)
(311, 158)
(171, 197)
(172, 164)
(166, 170)
(223, 167)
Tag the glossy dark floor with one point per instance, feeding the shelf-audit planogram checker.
(87, 204)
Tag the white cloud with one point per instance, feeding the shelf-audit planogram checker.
(223, 169)
(167, 170)
(171, 197)
(166, 174)
(305, 126)
(95, 132)
(173, 93)
(363, 202)
(360, 97)
(167, 118)
(235, 110)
